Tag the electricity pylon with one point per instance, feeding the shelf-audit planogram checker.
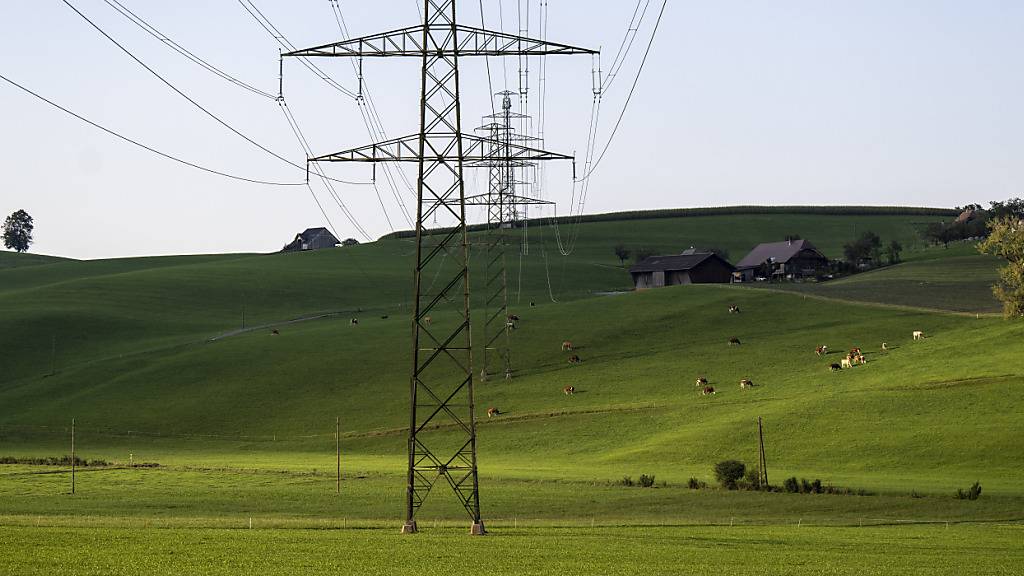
(503, 214)
(442, 421)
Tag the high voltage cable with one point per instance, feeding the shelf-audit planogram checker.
(187, 97)
(627, 44)
(632, 90)
(267, 25)
(144, 146)
(319, 170)
(149, 29)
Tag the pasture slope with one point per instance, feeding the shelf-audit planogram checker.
(243, 426)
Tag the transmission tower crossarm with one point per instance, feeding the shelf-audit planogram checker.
(487, 200)
(439, 146)
(469, 42)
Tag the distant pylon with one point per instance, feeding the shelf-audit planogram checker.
(441, 384)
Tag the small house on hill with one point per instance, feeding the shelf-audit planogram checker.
(782, 260)
(690, 267)
(312, 239)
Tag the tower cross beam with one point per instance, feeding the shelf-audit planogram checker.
(458, 41)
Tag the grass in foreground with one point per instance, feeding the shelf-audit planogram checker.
(714, 551)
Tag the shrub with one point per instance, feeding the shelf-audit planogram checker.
(626, 481)
(695, 484)
(816, 487)
(805, 486)
(791, 485)
(646, 481)
(972, 493)
(752, 478)
(727, 472)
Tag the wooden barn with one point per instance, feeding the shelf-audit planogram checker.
(690, 267)
(782, 261)
(312, 239)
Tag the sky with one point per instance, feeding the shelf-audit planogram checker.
(782, 102)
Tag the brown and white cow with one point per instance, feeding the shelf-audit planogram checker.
(821, 350)
(707, 391)
(569, 390)
(918, 335)
(734, 341)
(493, 412)
(746, 383)
(567, 346)
(575, 359)
(702, 381)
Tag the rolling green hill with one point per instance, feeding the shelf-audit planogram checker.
(150, 357)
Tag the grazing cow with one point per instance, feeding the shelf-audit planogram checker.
(860, 359)
(492, 412)
(746, 383)
(918, 335)
(354, 321)
(567, 346)
(847, 363)
(821, 350)
(274, 332)
(384, 317)
(855, 352)
(734, 341)
(702, 381)
(707, 391)
(734, 309)
(835, 367)
(575, 359)
(569, 390)
(532, 304)
(885, 347)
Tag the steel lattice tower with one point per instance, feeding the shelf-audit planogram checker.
(442, 422)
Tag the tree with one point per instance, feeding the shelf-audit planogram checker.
(622, 253)
(866, 248)
(893, 250)
(350, 242)
(1006, 240)
(641, 254)
(18, 231)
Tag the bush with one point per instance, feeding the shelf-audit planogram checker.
(791, 485)
(816, 487)
(627, 481)
(695, 484)
(646, 481)
(752, 478)
(727, 472)
(972, 493)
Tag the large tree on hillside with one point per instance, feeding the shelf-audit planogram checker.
(1006, 239)
(622, 253)
(867, 247)
(18, 231)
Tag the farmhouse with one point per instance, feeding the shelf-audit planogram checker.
(690, 267)
(312, 239)
(782, 260)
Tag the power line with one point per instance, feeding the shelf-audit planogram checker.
(149, 29)
(276, 34)
(144, 146)
(187, 97)
(632, 90)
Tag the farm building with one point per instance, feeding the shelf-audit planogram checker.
(690, 267)
(782, 260)
(312, 239)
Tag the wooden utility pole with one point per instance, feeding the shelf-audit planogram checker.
(72, 455)
(337, 448)
(763, 463)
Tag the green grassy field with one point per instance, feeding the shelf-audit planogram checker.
(243, 425)
(924, 550)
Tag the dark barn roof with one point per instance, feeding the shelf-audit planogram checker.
(311, 233)
(779, 252)
(686, 261)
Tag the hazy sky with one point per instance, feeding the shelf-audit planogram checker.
(742, 102)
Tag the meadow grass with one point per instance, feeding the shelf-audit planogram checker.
(908, 550)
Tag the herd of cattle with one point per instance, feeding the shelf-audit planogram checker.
(854, 358)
